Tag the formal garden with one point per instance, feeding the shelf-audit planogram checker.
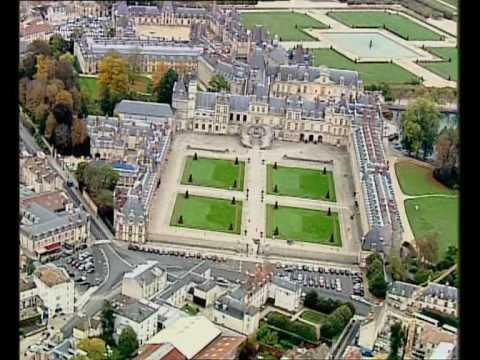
(299, 182)
(370, 73)
(289, 26)
(305, 225)
(205, 213)
(395, 23)
(448, 68)
(217, 173)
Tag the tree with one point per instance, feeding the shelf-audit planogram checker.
(180, 219)
(50, 126)
(233, 200)
(62, 139)
(67, 57)
(249, 350)
(113, 73)
(327, 195)
(163, 91)
(186, 194)
(396, 340)
(128, 343)
(447, 158)
(311, 299)
(190, 178)
(427, 247)
(64, 97)
(332, 238)
(378, 286)
(275, 165)
(79, 132)
(235, 183)
(159, 73)
(420, 126)
(28, 66)
(217, 83)
(276, 205)
(64, 72)
(374, 268)
(39, 47)
(329, 212)
(236, 161)
(45, 68)
(230, 228)
(397, 268)
(94, 347)
(195, 157)
(324, 170)
(275, 188)
(275, 232)
(29, 266)
(62, 113)
(58, 45)
(107, 319)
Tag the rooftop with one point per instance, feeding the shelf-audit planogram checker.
(51, 275)
(54, 201)
(136, 311)
(222, 348)
(144, 108)
(189, 335)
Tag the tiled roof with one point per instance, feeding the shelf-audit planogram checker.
(144, 108)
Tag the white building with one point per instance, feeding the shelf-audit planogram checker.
(286, 294)
(140, 317)
(55, 288)
(145, 281)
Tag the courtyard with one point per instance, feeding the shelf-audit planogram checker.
(217, 173)
(306, 225)
(287, 25)
(207, 213)
(300, 182)
(168, 32)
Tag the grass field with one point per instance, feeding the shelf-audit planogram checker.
(369, 73)
(452, 2)
(190, 310)
(283, 24)
(207, 213)
(90, 85)
(217, 173)
(298, 182)
(141, 84)
(435, 214)
(446, 69)
(313, 316)
(306, 225)
(415, 179)
(396, 24)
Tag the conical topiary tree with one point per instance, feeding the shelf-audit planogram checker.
(190, 179)
(180, 219)
(236, 161)
(331, 238)
(275, 165)
(186, 194)
(275, 188)
(324, 170)
(230, 227)
(276, 204)
(275, 232)
(233, 200)
(327, 195)
(195, 157)
(329, 212)
(234, 183)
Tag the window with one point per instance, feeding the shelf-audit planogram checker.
(238, 117)
(305, 89)
(244, 118)
(231, 116)
(203, 126)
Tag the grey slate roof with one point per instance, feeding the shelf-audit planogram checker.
(288, 285)
(239, 102)
(144, 108)
(205, 100)
(442, 291)
(207, 285)
(234, 308)
(136, 311)
(402, 289)
(373, 239)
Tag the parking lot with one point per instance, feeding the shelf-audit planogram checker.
(88, 268)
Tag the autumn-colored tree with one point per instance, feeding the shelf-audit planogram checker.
(79, 132)
(161, 70)
(23, 85)
(41, 113)
(39, 47)
(77, 100)
(64, 97)
(64, 72)
(94, 347)
(68, 57)
(133, 62)
(36, 93)
(427, 247)
(113, 73)
(51, 93)
(50, 126)
(45, 68)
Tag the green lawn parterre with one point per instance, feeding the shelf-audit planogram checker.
(395, 23)
(141, 84)
(90, 85)
(435, 214)
(415, 179)
(283, 24)
(314, 316)
(446, 69)
(217, 173)
(369, 72)
(300, 182)
(207, 213)
(313, 226)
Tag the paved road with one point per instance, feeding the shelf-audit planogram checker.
(347, 339)
(98, 229)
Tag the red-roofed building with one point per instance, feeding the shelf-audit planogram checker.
(36, 31)
(165, 351)
(223, 348)
(352, 353)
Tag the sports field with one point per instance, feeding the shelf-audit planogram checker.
(287, 25)
(369, 73)
(396, 24)
(299, 182)
(207, 213)
(435, 214)
(447, 69)
(217, 173)
(313, 226)
(415, 179)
